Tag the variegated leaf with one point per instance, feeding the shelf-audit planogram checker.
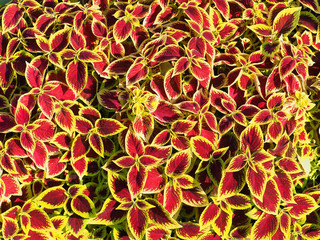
(53, 198)
(202, 147)
(179, 163)
(109, 214)
(265, 227)
(137, 222)
(76, 76)
(286, 21)
(303, 206)
(83, 206)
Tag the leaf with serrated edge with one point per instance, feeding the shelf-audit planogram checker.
(239, 201)
(271, 199)
(231, 183)
(172, 198)
(109, 214)
(159, 216)
(222, 224)
(9, 227)
(108, 127)
(201, 147)
(137, 177)
(209, 214)
(194, 197)
(76, 76)
(252, 138)
(137, 222)
(179, 163)
(52, 198)
(286, 21)
(66, 120)
(83, 206)
(11, 16)
(257, 181)
(304, 205)
(265, 227)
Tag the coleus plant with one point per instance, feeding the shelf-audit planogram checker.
(159, 119)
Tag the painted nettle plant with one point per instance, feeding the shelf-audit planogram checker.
(159, 119)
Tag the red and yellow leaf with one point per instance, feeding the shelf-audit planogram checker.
(286, 21)
(77, 40)
(143, 125)
(194, 197)
(6, 74)
(189, 230)
(79, 148)
(40, 154)
(52, 198)
(39, 220)
(223, 8)
(172, 85)
(286, 66)
(22, 114)
(252, 138)
(96, 144)
(134, 145)
(118, 187)
(289, 165)
(261, 29)
(310, 231)
(157, 233)
(155, 181)
(89, 56)
(125, 162)
(137, 222)
(59, 222)
(137, 177)
(239, 201)
(83, 206)
(7, 122)
(271, 199)
(262, 117)
(200, 70)
(59, 40)
(265, 226)
(303, 206)
(159, 216)
(108, 127)
(75, 224)
(76, 76)
(179, 163)
(172, 198)
(202, 147)
(209, 214)
(122, 30)
(65, 119)
(80, 166)
(181, 65)
(46, 130)
(222, 224)
(285, 186)
(11, 186)
(33, 76)
(236, 163)
(231, 183)
(11, 16)
(136, 72)
(169, 53)
(10, 227)
(109, 214)
(256, 180)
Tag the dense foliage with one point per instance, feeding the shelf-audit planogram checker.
(167, 119)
